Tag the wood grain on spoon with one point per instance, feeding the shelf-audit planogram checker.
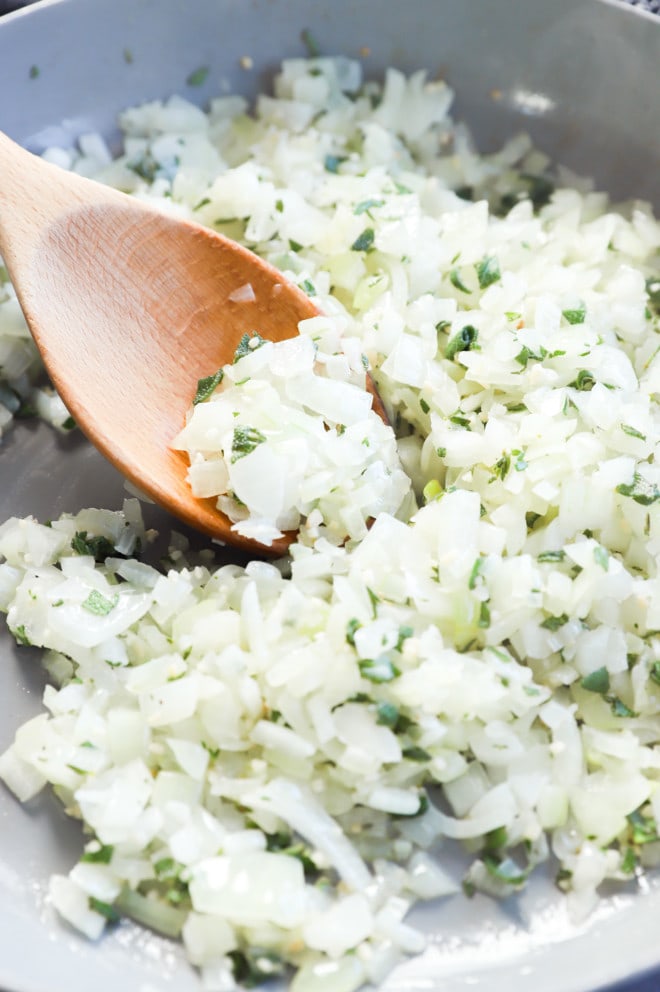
(129, 308)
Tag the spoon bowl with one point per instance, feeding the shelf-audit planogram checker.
(129, 308)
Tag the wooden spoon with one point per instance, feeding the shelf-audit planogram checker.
(129, 307)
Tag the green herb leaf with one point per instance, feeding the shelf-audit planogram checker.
(248, 344)
(387, 714)
(488, 271)
(198, 77)
(207, 386)
(414, 753)
(380, 669)
(597, 681)
(245, 440)
(501, 467)
(364, 241)
(602, 557)
(554, 623)
(99, 548)
(104, 908)
(644, 828)
(551, 556)
(102, 856)
(352, 627)
(484, 615)
(366, 205)
(310, 43)
(505, 870)
(584, 381)
(465, 340)
(404, 633)
(619, 708)
(332, 162)
(633, 432)
(98, 604)
(576, 315)
(476, 572)
(640, 490)
(654, 672)
(455, 280)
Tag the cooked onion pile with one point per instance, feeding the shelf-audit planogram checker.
(266, 758)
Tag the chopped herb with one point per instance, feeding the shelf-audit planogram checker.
(654, 673)
(198, 77)
(501, 467)
(455, 280)
(653, 290)
(484, 615)
(279, 206)
(644, 828)
(374, 600)
(309, 287)
(255, 966)
(496, 839)
(424, 405)
(204, 202)
(387, 714)
(597, 681)
(633, 432)
(540, 189)
(404, 633)
(512, 315)
(352, 627)
(460, 420)
(104, 908)
(99, 548)
(295, 246)
(505, 870)
(575, 316)
(551, 556)
(98, 604)
(310, 43)
(364, 241)
(366, 205)
(101, 856)
(67, 425)
(380, 669)
(619, 708)
(554, 623)
(463, 341)
(584, 381)
(602, 557)
(476, 572)
(244, 441)
(629, 861)
(640, 490)
(248, 344)
(332, 162)
(441, 452)
(488, 271)
(415, 753)
(207, 386)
